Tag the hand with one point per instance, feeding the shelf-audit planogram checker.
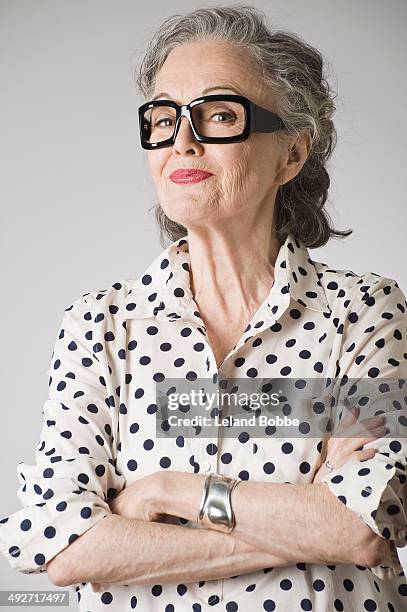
(339, 450)
(98, 587)
(141, 499)
(138, 500)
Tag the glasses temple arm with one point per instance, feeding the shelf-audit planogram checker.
(263, 120)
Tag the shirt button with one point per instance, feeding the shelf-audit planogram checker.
(205, 466)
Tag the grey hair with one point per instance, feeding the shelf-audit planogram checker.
(294, 70)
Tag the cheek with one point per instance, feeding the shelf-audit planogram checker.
(237, 168)
(156, 163)
(232, 157)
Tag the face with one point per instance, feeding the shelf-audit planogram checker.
(245, 175)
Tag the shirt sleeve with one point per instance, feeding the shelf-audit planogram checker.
(67, 488)
(373, 373)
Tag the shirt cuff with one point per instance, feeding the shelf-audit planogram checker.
(369, 488)
(32, 536)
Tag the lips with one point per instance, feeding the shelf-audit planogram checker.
(189, 175)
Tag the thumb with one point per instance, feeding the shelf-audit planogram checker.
(350, 417)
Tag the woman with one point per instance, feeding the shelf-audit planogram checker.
(312, 522)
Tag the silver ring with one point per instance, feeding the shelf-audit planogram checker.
(329, 466)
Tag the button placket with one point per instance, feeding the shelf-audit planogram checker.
(205, 466)
(211, 588)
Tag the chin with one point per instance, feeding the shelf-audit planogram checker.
(184, 209)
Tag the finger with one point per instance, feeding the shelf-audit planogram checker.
(351, 420)
(340, 451)
(379, 432)
(369, 425)
(356, 443)
(351, 416)
(365, 454)
(359, 431)
(362, 455)
(373, 421)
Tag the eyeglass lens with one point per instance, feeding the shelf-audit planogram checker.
(213, 119)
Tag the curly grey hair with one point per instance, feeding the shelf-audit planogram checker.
(304, 100)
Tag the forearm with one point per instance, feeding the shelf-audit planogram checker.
(299, 523)
(127, 551)
(305, 523)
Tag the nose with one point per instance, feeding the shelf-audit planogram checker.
(185, 142)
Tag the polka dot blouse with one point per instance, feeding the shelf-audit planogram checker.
(99, 426)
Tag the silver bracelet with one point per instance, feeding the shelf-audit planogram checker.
(215, 511)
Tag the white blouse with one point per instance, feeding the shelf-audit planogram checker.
(99, 426)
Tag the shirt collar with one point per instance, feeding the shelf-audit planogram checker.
(163, 290)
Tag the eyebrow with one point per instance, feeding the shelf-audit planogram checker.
(163, 94)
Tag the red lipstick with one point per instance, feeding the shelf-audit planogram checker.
(189, 175)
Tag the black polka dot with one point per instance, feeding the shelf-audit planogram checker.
(119, 354)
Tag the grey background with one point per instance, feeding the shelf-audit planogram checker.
(75, 190)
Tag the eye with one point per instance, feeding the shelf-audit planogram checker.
(159, 122)
(222, 114)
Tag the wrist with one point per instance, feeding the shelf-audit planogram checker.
(116, 504)
(216, 509)
(154, 496)
(181, 494)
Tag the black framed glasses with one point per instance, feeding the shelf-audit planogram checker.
(218, 118)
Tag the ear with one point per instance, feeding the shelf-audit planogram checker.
(298, 152)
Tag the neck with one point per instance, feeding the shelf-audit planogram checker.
(232, 271)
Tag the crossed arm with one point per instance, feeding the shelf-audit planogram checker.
(317, 529)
